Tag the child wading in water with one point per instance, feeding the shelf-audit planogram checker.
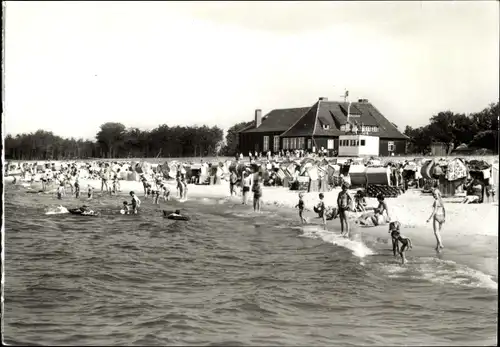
(320, 209)
(90, 193)
(394, 230)
(135, 202)
(60, 191)
(300, 205)
(125, 208)
(257, 194)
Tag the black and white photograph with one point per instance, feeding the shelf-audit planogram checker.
(237, 173)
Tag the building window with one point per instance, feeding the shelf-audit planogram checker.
(326, 126)
(329, 144)
(285, 143)
(342, 128)
(357, 143)
(390, 146)
(302, 143)
(363, 142)
(353, 143)
(266, 143)
(309, 143)
(276, 143)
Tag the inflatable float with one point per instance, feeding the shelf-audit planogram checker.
(80, 212)
(175, 215)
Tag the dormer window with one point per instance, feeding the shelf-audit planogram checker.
(342, 128)
(326, 126)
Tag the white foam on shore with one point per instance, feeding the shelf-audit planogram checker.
(57, 210)
(355, 245)
(441, 272)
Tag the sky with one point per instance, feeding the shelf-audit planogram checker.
(72, 66)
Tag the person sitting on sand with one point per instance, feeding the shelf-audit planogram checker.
(344, 202)
(397, 238)
(360, 201)
(439, 216)
(136, 203)
(376, 217)
(300, 205)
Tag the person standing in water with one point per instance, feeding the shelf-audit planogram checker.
(135, 202)
(344, 202)
(300, 206)
(247, 183)
(257, 194)
(77, 188)
(438, 215)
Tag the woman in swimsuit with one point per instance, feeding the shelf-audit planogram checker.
(439, 215)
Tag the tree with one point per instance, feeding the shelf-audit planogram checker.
(231, 147)
(111, 136)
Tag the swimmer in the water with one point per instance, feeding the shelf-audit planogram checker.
(126, 207)
(394, 230)
(136, 203)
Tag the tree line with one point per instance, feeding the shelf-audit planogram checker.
(114, 140)
(476, 130)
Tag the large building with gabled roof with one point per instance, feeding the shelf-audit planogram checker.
(319, 126)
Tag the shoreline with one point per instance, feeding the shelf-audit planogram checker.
(411, 209)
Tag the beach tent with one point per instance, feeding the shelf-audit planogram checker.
(357, 174)
(378, 175)
(456, 170)
(494, 176)
(426, 169)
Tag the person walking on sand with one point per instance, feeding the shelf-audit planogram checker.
(438, 215)
(344, 202)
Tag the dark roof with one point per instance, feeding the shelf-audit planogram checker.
(277, 120)
(334, 114)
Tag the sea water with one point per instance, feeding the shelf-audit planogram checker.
(232, 277)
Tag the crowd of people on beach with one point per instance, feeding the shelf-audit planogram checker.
(246, 183)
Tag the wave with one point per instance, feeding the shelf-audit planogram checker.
(440, 271)
(57, 210)
(355, 245)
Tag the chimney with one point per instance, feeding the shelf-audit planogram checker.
(363, 100)
(258, 117)
(322, 98)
